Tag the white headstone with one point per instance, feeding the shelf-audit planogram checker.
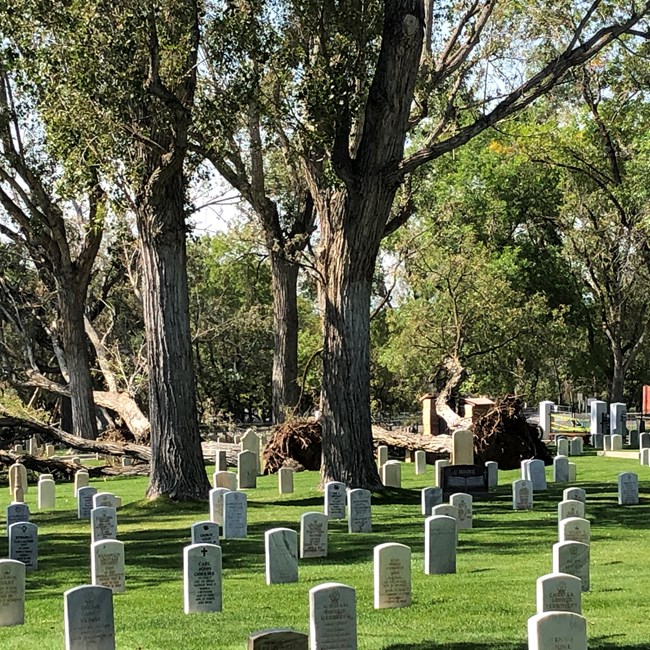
(525, 469)
(562, 447)
(382, 456)
(430, 497)
(617, 416)
(250, 441)
(359, 511)
(463, 448)
(573, 472)
(88, 616)
(445, 510)
(464, 503)
(81, 479)
(607, 442)
(420, 462)
(644, 440)
(313, 534)
(561, 469)
(85, 501)
(281, 552)
(598, 440)
(537, 474)
(598, 409)
(493, 474)
(628, 489)
(285, 480)
(392, 573)
(572, 558)
(522, 495)
(644, 456)
(617, 442)
(18, 478)
(104, 499)
(202, 578)
(570, 508)
(12, 593)
(440, 541)
(545, 409)
(205, 532)
(216, 504)
(226, 480)
(574, 494)
(235, 524)
(559, 592)
(103, 524)
(575, 529)
(391, 474)
(247, 463)
(557, 631)
(335, 500)
(277, 639)
(332, 617)
(107, 565)
(23, 544)
(576, 447)
(439, 466)
(17, 513)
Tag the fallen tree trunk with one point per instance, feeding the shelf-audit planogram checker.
(9, 423)
(63, 470)
(439, 446)
(454, 421)
(119, 402)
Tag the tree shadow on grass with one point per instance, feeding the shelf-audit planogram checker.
(600, 643)
(458, 646)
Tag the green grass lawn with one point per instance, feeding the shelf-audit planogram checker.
(484, 606)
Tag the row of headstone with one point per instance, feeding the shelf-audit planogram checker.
(613, 442)
(566, 447)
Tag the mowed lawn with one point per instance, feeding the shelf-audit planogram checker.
(484, 606)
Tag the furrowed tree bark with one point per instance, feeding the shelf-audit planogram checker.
(286, 390)
(351, 232)
(71, 305)
(350, 243)
(177, 469)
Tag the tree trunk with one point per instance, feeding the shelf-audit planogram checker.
(71, 306)
(177, 469)
(618, 381)
(349, 246)
(285, 335)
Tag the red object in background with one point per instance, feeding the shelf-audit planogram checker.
(646, 399)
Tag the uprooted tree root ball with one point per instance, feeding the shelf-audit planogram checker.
(296, 440)
(503, 435)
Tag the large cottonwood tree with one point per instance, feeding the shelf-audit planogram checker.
(63, 247)
(363, 78)
(121, 80)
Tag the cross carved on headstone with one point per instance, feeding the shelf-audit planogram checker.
(204, 551)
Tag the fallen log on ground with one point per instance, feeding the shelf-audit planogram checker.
(438, 446)
(64, 470)
(9, 424)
